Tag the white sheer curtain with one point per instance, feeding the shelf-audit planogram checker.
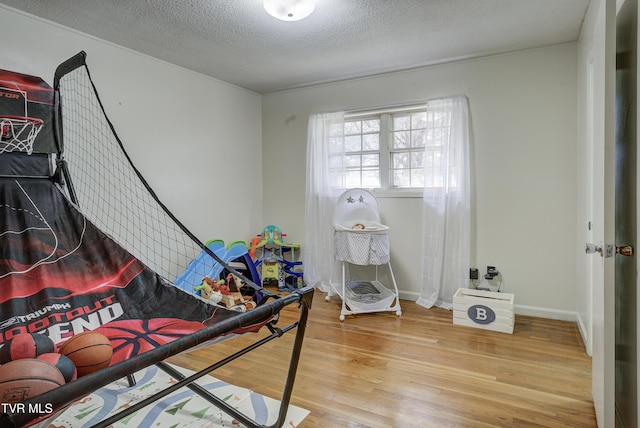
(325, 156)
(446, 204)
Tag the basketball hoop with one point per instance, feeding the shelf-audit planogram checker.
(17, 133)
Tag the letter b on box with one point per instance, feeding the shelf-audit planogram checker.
(481, 314)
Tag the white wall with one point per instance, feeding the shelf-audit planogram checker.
(523, 129)
(197, 140)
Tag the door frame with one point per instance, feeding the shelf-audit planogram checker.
(603, 292)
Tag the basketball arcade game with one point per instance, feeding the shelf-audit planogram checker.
(85, 244)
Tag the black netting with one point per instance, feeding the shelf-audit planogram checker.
(108, 189)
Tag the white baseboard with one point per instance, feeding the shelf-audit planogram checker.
(532, 311)
(554, 314)
(586, 339)
(408, 295)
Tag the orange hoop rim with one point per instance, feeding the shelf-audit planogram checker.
(34, 120)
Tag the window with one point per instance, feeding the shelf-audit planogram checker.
(362, 153)
(407, 149)
(386, 150)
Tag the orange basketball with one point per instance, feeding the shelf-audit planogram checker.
(89, 351)
(26, 378)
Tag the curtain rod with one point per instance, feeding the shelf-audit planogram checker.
(385, 109)
(391, 108)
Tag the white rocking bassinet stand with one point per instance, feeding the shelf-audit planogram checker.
(361, 240)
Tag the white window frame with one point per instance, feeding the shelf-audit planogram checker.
(385, 116)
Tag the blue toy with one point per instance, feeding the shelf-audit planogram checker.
(235, 254)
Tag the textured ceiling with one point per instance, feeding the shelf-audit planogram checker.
(236, 41)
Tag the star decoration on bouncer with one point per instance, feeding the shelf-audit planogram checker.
(350, 199)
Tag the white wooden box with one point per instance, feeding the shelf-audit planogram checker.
(484, 309)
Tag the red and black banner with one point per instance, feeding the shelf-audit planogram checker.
(60, 275)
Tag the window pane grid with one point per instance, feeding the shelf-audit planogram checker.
(410, 135)
(362, 153)
(399, 149)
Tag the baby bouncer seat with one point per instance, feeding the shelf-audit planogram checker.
(362, 245)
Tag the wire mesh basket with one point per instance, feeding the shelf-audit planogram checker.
(367, 295)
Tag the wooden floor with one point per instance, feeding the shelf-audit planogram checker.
(420, 370)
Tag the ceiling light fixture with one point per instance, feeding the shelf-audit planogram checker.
(289, 10)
